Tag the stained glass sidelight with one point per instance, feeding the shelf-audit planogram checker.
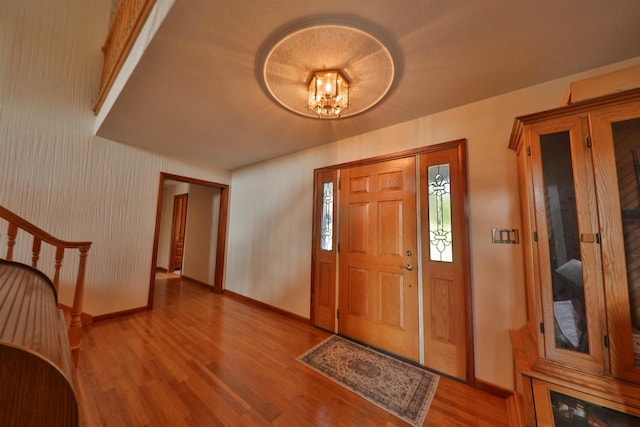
(326, 231)
(440, 247)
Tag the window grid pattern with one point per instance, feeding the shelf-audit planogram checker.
(326, 231)
(439, 200)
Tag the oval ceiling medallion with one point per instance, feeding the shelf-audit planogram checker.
(365, 62)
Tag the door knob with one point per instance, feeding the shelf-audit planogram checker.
(408, 267)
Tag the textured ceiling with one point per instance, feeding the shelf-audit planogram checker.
(197, 92)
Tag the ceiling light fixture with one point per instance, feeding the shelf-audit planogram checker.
(327, 71)
(328, 93)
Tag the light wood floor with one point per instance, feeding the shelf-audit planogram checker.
(201, 359)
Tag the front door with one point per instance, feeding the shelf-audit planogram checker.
(378, 296)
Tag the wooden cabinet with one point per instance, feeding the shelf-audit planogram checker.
(561, 406)
(579, 173)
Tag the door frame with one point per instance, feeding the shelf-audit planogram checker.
(221, 244)
(460, 146)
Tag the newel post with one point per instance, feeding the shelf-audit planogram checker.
(75, 328)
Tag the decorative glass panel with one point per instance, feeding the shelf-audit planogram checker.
(326, 223)
(564, 244)
(626, 140)
(440, 240)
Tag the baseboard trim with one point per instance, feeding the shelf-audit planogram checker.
(265, 306)
(510, 400)
(161, 269)
(197, 282)
(86, 319)
(514, 411)
(493, 389)
(106, 316)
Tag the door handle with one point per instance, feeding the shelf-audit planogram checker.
(408, 267)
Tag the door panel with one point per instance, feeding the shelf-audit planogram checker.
(442, 296)
(358, 227)
(378, 296)
(390, 220)
(323, 296)
(444, 262)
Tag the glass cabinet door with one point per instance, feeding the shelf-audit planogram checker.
(568, 243)
(559, 406)
(616, 136)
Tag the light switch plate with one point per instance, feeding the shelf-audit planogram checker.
(505, 235)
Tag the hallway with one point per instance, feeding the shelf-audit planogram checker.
(204, 359)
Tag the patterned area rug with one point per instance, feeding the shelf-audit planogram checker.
(398, 387)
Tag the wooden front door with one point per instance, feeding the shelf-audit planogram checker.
(378, 291)
(177, 231)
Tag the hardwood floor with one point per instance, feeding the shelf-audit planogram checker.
(203, 359)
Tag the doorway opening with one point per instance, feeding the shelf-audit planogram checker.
(173, 251)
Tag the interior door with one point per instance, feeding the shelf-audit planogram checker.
(378, 291)
(177, 231)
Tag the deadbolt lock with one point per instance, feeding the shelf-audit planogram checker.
(409, 253)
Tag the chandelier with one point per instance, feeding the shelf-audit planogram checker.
(328, 93)
(326, 71)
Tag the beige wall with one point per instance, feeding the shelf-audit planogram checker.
(201, 237)
(54, 172)
(275, 239)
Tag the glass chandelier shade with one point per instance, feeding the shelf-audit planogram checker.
(328, 93)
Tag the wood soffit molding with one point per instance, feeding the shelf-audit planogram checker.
(581, 107)
(457, 143)
(128, 19)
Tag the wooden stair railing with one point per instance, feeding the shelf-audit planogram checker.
(16, 222)
(129, 16)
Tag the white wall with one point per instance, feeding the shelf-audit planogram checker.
(201, 234)
(271, 214)
(54, 172)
